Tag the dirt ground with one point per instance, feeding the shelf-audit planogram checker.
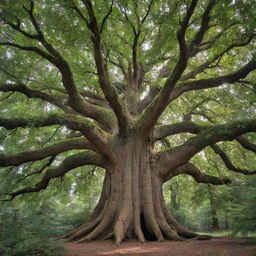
(213, 247)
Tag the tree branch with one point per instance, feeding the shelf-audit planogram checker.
(213, 82)
(30, 93)
(180, 155)
(246, 144)
(102, 115)
(34, 155)
(12, 123)
(154, 110)
(91, 131)
(54, 57)
(108, 90)
(210, 42)
(217, 58)
(137, 34)
(70, 163)
(34, 49)
(106, 17)
(162, 131)
(204, 26)
(192, 170)
(228, 163)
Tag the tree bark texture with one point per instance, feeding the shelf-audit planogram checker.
(131, 203)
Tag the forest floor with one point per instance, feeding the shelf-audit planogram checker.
(214, 247)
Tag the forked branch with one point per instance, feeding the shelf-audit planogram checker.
(203, 27)
(216, 58)
(30, 93)
(53, 56)
(154, 110)
(108, 89)
(70, 163)
(175, 157)
(100, 114)
(91, 131)
(213, 82)
(228, 162)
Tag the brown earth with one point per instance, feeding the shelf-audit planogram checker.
(214, 247)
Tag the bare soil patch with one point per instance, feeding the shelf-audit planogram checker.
(214, 247)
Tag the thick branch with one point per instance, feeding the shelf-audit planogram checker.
(151, 114)
(163, 131)
(180, 155)
(214, 82)
(54, 57)
(34, 155)
(30, 93)
(228, 163)
(108, 90)
(70, 163)
(12, 123)
(92, 132)
(102, 115)
(192, 170)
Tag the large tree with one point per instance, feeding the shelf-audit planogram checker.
(137, 88)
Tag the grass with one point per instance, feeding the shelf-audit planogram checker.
(227, 233)
(217, 233)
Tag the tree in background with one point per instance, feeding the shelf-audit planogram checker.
(214, 215)
(111, 83)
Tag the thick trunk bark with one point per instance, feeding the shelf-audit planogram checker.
(131, 202)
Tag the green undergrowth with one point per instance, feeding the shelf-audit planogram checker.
(28, 231)
(229, 233)
(217, 233)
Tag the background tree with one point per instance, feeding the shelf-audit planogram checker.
(137, 88)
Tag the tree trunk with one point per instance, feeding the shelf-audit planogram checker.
(214, 215)
(131, 202)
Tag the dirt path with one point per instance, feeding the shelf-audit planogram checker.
(214, 247)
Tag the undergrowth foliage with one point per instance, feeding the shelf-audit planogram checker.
(243, 209)
(28, 231)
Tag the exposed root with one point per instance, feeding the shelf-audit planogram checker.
(181, 231)
(72, 232)
(147, 203)
(153, 225)
(107, 220)
(84, 230)
(108, 236)
(167, 230)
(137, 229)
(125, 216)
(203, 237)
